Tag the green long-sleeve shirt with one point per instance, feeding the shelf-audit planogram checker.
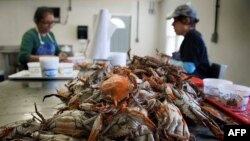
(30, 43)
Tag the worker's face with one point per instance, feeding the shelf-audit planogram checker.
(46, 23)
(180, 27)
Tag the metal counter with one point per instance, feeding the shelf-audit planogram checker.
(17, 99)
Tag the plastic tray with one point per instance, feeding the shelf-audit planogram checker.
(197, 81)
(243, 117)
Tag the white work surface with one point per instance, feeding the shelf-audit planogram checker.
(25, 74)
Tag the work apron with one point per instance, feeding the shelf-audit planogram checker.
(48, 48)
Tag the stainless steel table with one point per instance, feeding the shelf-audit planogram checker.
(17, 99)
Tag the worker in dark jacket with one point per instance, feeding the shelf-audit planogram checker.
(192, 55)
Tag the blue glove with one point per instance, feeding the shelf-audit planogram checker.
(189, 67)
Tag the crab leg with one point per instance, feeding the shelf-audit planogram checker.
(39, 114)
(97, 126)
(210, 124)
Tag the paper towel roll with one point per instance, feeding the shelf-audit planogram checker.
(100, 44)
(118, 58)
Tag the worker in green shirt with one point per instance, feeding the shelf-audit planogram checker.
(39, 41)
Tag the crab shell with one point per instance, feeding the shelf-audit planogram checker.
(117, 86)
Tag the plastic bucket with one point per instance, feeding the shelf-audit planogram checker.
(49, 66)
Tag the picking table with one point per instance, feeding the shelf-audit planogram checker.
(17, 98)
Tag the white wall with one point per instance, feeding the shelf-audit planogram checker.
(234, 44)
(148, 29)
(233, 27)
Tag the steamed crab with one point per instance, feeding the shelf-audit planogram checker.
(119, 85)
(170, 122)
(53, 137)
(191, 109)
(127, 124)
(72, 123)
(18, 129)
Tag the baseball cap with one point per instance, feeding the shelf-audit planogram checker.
(184, 10)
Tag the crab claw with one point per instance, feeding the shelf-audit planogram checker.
(97, 126)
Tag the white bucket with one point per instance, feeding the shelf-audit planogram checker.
(49, 66)
(34, 68)
(77, 60)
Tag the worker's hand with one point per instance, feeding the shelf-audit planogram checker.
(164, 57)
(62, 56)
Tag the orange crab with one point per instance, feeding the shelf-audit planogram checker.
(119, 85)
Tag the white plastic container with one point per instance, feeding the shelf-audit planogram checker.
(34, 68)
(66, 69)
(118, 58)
(77, 60)
(49, 66)
(211, 86)
(234, 96)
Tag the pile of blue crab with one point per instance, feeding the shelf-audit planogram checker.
(148, 100)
